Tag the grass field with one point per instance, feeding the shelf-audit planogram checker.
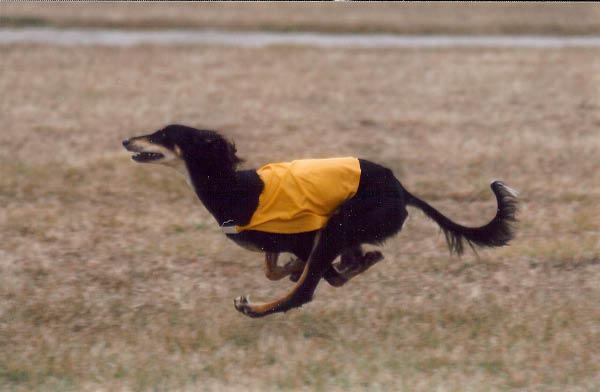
(115, 278)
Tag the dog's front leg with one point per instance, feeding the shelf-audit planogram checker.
(302, 292)
(272, 270)
(275, 272)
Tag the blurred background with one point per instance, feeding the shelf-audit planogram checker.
(115, 278)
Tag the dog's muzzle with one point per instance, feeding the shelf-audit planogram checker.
(141, 156)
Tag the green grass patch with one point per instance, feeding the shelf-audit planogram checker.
(14, 376)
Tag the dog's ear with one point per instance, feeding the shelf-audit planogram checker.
(230, 153)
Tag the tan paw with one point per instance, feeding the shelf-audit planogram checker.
(242, 305)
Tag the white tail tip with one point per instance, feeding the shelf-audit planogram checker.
(511, 191)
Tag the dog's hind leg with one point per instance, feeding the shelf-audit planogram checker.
(353, 262)
(275, 272)
(351, 257)
(368, 221)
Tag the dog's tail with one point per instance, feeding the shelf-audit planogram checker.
(498, 232)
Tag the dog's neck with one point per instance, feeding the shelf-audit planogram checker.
(229, 195)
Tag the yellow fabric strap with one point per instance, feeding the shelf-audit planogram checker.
(301, 195)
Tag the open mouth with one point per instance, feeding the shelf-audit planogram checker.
(147, 156)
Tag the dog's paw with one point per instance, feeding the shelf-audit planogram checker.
(242, 305)
(345, 269)
(294, 264)
(294, 277)
(371, 258)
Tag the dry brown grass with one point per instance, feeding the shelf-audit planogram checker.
(486, 18)
(113, 277)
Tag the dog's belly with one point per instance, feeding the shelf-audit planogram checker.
(246, 244)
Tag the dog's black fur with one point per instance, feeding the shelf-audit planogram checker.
(376, 212)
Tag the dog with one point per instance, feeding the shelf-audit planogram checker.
(316, 209)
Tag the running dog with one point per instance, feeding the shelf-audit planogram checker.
(315, 209)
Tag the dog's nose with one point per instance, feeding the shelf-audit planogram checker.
(126, 142)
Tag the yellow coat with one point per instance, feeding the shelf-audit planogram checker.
(301, 195)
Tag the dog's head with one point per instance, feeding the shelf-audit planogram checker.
(177, 144)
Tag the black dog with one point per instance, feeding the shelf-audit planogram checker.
(372, 210)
